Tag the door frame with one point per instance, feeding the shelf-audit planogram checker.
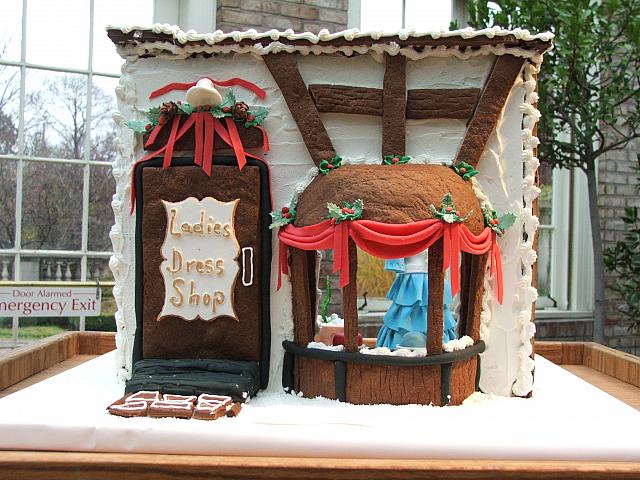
(265, 253)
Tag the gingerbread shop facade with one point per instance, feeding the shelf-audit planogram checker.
(245, 157)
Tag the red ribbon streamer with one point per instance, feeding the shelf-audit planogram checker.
(386, 241)
(223, 83)
(236, 143)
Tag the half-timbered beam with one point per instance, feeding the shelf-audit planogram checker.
(427, 103)
(284, 68)
(346, 99)
(394, 105)
(487, 113)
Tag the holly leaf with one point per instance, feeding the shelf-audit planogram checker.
(395, 159)
(334, 210)
(257, 114)
(349, 211)
(228, 99)
(506, 221)
(448, 212)
(285, 216)
(185, 108)
(326, 166)
(465, 170)
(138, 126)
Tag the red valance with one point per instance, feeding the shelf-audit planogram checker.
(386, 240)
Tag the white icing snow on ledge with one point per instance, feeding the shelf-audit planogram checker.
(458, 344)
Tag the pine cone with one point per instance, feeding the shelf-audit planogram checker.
(240, 111)
(169, 109)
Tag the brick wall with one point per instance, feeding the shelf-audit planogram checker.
(300, 15)
(618, 188)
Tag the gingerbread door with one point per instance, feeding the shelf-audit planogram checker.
(203, 253)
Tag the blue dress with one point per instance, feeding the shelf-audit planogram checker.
(405, 323)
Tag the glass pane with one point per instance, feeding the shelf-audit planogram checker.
(31, 330)
(6, 267)
(7, 203)
(52, 206)
(328, 305)
(374, 283)
(55, 114)
(9, 109)
(120, 13)
(377, 15)
(546, 194)
(11, 33)
(426, 16)
(98, 269)
(544, 263)
(103, 129)
(102, 186)
(56, 48)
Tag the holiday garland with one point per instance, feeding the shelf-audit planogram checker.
(240, 112)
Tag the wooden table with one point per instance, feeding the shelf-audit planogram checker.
(615, 372)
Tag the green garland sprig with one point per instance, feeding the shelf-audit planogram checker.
(448, 211)
(349, 211)
(495, 223)
(160, 115)
(465, 170)
(395, 159)
(327, 165)
(285, 216)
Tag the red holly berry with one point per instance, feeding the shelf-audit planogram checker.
(286, 215)
(330, 166)
(463, 170)
(226, 109)
(395, 160)
(285, 209)
(147, 127)
(495, 221)
(333, 221)
(345, 210)
(350, 211)
(251, 118)
(448, 209)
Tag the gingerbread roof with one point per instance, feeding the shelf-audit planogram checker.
(390, 193)
(170, 39)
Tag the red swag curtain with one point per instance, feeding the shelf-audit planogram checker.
(385, 240)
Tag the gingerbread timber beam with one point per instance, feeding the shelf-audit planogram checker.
(487, 113)
(394, 105)
(284, 69)
(426, 103)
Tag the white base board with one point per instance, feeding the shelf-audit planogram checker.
(567, 419)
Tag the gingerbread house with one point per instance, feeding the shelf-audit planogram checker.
(390, 143)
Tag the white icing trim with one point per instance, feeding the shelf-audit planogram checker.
(210, 42)
(122, 261)
(527, 293)
(325, 36)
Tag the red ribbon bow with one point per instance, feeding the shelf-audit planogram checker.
(205, 126)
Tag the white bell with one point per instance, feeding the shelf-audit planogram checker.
(203, 93)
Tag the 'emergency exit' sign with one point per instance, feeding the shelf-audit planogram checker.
(50, 301)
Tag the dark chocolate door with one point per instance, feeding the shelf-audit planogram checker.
(245, 337)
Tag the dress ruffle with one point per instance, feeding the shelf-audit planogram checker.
(408, 312)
